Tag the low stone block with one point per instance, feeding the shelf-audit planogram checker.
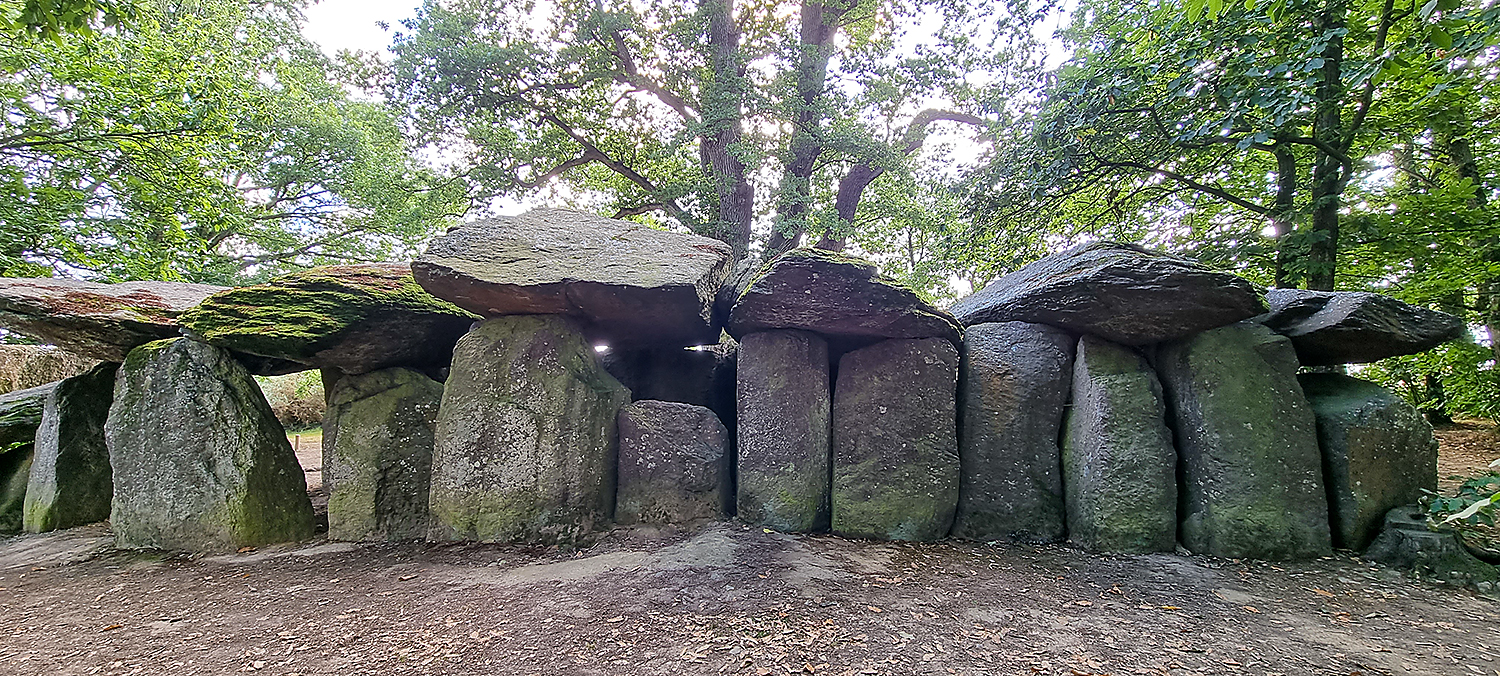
(783, 460)
(675, 464)
(71, 482)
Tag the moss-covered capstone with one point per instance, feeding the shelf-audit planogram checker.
(200, 463)
(1252, 476)
(628, 285)
(71, 481)
(1378, 453)
(526, 444)
(1014, 384)
(895, 441)
(354, 318)
(377, 454)
(1119, 465)
(784, 461)
(836, 295)
(675, 464)
(20, 415)
(101, 321)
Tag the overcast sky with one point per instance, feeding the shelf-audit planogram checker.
(350, 24)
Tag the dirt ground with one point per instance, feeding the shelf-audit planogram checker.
(723, 598)
(1465, 448)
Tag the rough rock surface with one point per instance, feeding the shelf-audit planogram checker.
(835, 295)
(71, 481)
(355, 318)
(1406, 542)
(783, 463)
(1348, 327)
(702, 377)
(200, 463)
(1015, 382)
(1120, 292)
(1252, 476)
(102, 321)
(631, 285)
(377, 454)
(1119, 465)
(895, 441)
(20, 414)
(526, 439)
(675, 464)
(1378, 453)
(27, 366)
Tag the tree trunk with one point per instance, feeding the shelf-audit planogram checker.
(723, 110)
(1283, 217)
(1323, 246)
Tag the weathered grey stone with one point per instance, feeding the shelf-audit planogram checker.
(1406, 542)
(354, 318)
(895, 441)
(1119, 465)
(26, 366)
(20, 415)
(70, 481)
(1350, 327)
(377, 454)
(631, 285)
(526, 444)
(783, 463)
(702, 377)
(102, 321)
(1015, 381)
(835, 295)
(1120, 292)
(1252, 477)
(1378, 453)
(675, 464)
(199, 461)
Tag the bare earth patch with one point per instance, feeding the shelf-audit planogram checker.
(1465, 448)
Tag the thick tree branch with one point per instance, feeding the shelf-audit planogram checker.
(632, 76)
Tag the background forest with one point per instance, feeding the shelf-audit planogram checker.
(1325, 144)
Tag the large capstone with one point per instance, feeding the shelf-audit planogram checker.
(1119, 465)
(1015, 382)
(783, 463)
(1350, 327)
(895, 441)
(526, 439)
(630, 285)
(200, 463)
(102, 321)
(835, 295)
(1378, 453)
(354, 318)
(377, 454)
(675, 464)
(20, 415)
(1252, 476)
(27, 366)
(70, 481)
(1120, 292)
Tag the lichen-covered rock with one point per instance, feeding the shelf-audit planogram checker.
(1378, 453)
(1119, 465)
(675, 464)
(1350, 327)
(355, 318)
(200, 463)
(70, 481)
(20, 415)
(1015, 383)
(630, 285)
(1252, 476)
(783, 463)
(102, 321)
(27, 366)
(377, 454)
(702, 377)
(1120, 292)
(526, 444)
(895, 441)
(835, 295)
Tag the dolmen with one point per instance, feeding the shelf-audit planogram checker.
(537, 378)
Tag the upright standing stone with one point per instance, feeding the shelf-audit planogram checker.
(526, 440)
(1378, 453)
(71, 481)
(377, 454)
(1119, 466)
(20, 414)
(1252, 477)
(1014, 383)
(895, 441)
(674, 464)
(783, 397)
(199, 461)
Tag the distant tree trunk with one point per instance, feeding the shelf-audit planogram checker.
(1328, 130)
(723, 110)
(1283, 217)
